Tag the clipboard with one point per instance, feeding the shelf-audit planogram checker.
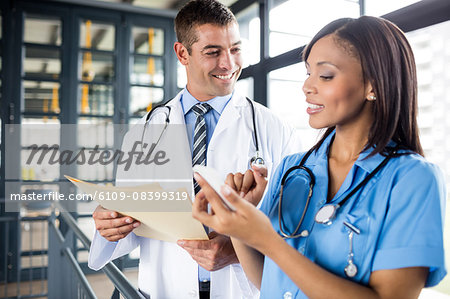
(166, 219)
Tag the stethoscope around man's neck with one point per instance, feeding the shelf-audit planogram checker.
(257, 159)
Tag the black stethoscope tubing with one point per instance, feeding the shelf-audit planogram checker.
(254, 124)
(156, 107)
(256, 159)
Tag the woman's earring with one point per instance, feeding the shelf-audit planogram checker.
(372, 97)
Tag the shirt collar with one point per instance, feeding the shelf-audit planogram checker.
(322, 152)
(371, 163)
(367, 165)
(217, 103)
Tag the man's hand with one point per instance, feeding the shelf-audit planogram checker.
(111, 225)
(213, 254)
(250, 185)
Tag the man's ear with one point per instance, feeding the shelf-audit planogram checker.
(181, 52)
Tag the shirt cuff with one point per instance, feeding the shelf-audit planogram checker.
(431, 257)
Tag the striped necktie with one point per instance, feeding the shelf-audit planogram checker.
(199, 147)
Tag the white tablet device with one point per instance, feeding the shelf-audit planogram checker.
(213, 178)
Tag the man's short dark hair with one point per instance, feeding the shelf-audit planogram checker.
(200, 12)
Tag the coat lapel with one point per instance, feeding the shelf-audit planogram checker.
(230, 115)
(176, 110)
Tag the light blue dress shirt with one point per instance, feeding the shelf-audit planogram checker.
(211, 119)
(400, 215)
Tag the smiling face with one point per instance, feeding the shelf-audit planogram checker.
(215, 61)
(335, 90)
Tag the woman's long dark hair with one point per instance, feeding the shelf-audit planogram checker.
(388, 64)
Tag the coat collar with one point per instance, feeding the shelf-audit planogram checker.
(231, 112)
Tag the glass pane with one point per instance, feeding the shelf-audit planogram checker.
(42, 63)
(286, 99)
(382, 7)
(42, 30)
(147, 70)
(432, 53)
(96, 99)
(41, 96)
(143, 98)
(431, 47)
(148, 41)
(245, 87)
(249, 27)
(181, 75)
(97, 36)
(35, 237)
(44, 170)
(96, 171)
(97, 67)
(94, 132)
(95, 135)
(292, 26)
(39, 131)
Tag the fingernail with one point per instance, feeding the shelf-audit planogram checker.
(128, 220)
(226, 190)
(180, 243)
(113, 215)
(196, 176)
(136, 224)
(242, 194)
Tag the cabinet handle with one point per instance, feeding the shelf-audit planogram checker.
(11, 113)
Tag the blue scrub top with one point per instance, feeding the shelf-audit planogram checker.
(400, 215)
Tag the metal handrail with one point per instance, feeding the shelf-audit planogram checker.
(115, 275)
(83, 280)
(70, 221)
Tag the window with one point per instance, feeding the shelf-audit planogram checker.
(245, 87)
(249, 28)
(41, 65)
(382, 7)
(286, 99)
(96, 68)
(147, 70)
(293, 23)
(41, 82)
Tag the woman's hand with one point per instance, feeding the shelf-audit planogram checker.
(250, 185)
(247, 223)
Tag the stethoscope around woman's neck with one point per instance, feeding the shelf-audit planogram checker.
(327, 213)
(257, 159)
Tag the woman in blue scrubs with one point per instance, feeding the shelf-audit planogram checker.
(373, 225)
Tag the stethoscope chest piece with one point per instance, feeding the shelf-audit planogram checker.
(258, 161)
(326, 214)
(351, 270)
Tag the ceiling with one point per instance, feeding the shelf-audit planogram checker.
(161, 4)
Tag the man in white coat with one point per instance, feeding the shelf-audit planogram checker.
(209, 47)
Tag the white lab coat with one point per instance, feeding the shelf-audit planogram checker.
(165, 269)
